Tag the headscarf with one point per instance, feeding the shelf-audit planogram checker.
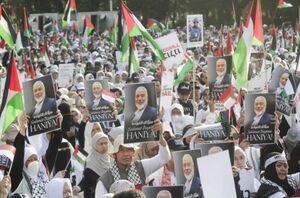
(96, 161)
(88, 137)
(271, 174)
(55, 188)
(39, 181)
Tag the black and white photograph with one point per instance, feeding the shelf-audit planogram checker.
(260, 118)
(163, 191)
(140, 112)
(99, 103)
(186, 172)
(41, 105)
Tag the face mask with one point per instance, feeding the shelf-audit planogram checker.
(33, 168)
(176, 118)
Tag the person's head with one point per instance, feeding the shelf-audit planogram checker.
(76, 115)
(39, 92)
(141, 97)
(276, 167)
(59, 188)
(96, 129)
(283, 79)
(130, 194)
(176, 112)
(157, 87)
(188, 166)
(164, 194)
(195, 21)
(124, 76)
(31, 162)
(100, 143)
(97, 89)
(184, 90)
(239, 158)
(260, 104)
(214, 149)
(123, 153)
(221, 66)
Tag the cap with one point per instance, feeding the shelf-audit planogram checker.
(119, 141)
(184, 87)
(120, 186)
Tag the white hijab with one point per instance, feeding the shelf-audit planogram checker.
(55, 188)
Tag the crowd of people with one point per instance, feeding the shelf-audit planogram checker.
(47, 165)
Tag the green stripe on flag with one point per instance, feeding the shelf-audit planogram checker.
(13, 109)
(6, 35)
(183, 71)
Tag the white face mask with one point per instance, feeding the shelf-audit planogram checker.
(176, 118)
(33, 168)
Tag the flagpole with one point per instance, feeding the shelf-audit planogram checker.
(194, 97)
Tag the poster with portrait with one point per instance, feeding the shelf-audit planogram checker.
(260, 118)
(219, 77)
(65, 75)
(40, 105)
(99, 101)
(194, 24)
(186, 171)
(163, 191)
(282, 85)
(259, 73)
(140, 112)
(211, 148)
(172, 50)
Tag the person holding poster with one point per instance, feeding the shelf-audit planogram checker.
(136, 171)
(43, 103)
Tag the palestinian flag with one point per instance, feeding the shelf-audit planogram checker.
(283, 4)
(6, 30)
(209, 50)
(134, 60)
(154, 24)
(255, 16)
(229, 47)
(229, 97)
(78, 156)
(19, 44)
(70, 14)
(26, 32)
(113, 30)
(183, 70)
(12, 102)
(241, 56)
(125, 44)
(87, 30)
(135, 28)
(12, 16)
(108, 95)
